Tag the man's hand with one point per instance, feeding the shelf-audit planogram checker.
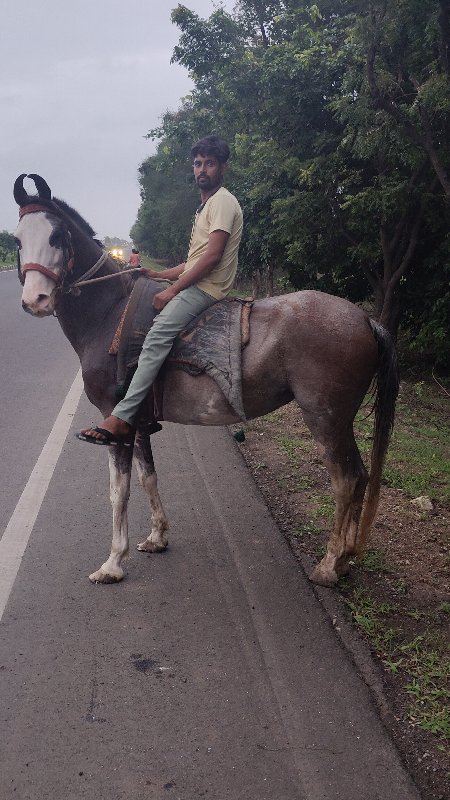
(162, 298)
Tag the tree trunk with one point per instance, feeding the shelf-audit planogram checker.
(269, 280)
(256, 283)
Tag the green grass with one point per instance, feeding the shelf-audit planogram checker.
(324, 506)
(292, 446)
(423, 663)
(274, 416)
(368, 615)
(9, 262)
(418, 461)
(427, 660)
(150, 263)
(372, 561)
(307, 529)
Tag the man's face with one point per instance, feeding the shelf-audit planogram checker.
(208, 172)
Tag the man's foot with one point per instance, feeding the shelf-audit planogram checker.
(114, 431)
(153, 427)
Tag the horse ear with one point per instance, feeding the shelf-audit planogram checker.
(20, 195)
(44, 190)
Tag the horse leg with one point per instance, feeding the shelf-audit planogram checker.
(119, 475)
(145, 466)
(348, 481)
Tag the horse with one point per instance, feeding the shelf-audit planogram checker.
(317, 349)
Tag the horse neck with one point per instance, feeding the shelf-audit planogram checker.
(96, 310)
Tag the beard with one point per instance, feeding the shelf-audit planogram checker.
(206, 183)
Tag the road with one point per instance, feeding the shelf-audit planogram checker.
(211, 671)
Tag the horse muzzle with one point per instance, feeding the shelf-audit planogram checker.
(39, 295)
(43, 307)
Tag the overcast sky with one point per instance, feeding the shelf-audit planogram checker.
(81, 83)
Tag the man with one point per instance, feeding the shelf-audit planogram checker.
(205, 277)
(135, 259)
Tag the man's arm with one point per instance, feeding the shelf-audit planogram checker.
(214, 252)
(167, 274)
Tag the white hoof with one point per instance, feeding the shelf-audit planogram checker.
(106, 577)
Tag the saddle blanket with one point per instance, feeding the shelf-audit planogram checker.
(211, 343)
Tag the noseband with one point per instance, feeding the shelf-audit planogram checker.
(67, 248)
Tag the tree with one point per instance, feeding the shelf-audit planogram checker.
(168, 201)
(337, 114)
(8, 245)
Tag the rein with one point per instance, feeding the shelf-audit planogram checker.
(97, 265)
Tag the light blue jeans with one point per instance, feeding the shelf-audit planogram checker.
(174, 317)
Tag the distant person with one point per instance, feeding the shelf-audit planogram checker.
(134, 259)
(205, 277)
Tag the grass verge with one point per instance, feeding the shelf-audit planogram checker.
(421, 663)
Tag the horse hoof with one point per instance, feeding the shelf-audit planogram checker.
(151, 547)
(105, 577)
(323, 577)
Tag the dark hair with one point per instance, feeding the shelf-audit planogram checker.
(212, 146)
(133, 250)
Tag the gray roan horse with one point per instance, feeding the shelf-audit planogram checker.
(320, 350)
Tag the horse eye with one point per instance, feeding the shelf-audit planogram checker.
(56, 238)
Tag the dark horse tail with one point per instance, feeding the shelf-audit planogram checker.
(387, 386)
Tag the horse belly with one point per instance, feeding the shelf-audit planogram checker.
(196, 400)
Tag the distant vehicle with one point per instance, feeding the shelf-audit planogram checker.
(117, 253)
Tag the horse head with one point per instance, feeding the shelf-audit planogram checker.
(45, 249)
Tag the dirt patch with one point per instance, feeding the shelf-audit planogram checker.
(396, 601)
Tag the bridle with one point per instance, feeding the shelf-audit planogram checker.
(69, 258)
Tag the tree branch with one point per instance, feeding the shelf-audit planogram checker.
(372, 277)
(395, 241)
(444, 44)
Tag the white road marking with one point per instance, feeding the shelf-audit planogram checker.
(20, 526)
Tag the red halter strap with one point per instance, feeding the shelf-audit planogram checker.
(33, 208)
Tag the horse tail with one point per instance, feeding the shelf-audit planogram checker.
(386, 391)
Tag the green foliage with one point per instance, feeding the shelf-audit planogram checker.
(169, 201)
(337, 114)
(8, 246)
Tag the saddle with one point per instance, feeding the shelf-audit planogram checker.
(211, 344)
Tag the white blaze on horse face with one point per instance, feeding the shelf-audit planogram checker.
(33, 232)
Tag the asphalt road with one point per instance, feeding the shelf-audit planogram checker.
(211, 671)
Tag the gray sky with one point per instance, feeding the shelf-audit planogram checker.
(81, 83)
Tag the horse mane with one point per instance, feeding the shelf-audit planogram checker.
(74, 216)
(68, 211)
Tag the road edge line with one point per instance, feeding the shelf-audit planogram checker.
(20, 526)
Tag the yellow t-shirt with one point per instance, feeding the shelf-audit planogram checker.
(221, 212)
